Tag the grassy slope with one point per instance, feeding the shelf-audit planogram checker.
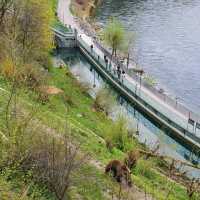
(87, 126)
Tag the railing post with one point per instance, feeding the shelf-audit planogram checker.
(76, 37)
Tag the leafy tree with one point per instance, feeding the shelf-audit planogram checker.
(5, 5)
(25, 39)
(114, 35)
(25, 36)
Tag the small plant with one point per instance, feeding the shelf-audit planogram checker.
(43, 98)
(104, 101)
(132, 158)
(32, 76)
(192, 187)
(83, 87)
(144, 168)
(117, 135)
(68, 99)
(7, 68)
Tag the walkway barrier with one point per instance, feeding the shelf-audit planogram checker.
(168, 100)
(68, 32)
(139, 96)
(132, 89)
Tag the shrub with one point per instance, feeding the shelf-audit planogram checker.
(104, 101)
(117, 135)
(7, 68)
(132, 158)
(43, 98)
(32, 76)
(48, 157)
(144, 168)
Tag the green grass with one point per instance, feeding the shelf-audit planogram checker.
(75, 107)
(14, 187)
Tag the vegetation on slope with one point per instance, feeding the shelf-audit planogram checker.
(88, 128)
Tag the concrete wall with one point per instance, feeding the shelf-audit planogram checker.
(61, 42)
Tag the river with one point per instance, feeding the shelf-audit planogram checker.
(166, 42)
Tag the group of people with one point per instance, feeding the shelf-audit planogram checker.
(120, 72)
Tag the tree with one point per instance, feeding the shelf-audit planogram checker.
(25, 34)
(114, 35)
(5, 5)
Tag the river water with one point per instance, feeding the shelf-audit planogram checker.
(166, 42)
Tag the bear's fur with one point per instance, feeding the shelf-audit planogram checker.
(120, 171)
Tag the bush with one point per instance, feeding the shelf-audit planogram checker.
(144, 168)
(7, 68)
(117, 135)
(104, 101)
(45, 155)
(32, 76)
(45, 61)
(132, 158)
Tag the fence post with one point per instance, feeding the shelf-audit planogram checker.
(76, 37)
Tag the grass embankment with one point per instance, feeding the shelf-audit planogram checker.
(89, 127)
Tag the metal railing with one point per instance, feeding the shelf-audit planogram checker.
(131, 89)
(168, 116)
(168, 100)
(162, 96)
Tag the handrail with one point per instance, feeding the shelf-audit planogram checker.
(139, 100)
(182, 131)
(63, 34)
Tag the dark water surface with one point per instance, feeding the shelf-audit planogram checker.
(167, 41)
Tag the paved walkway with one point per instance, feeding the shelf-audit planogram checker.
(169, 111)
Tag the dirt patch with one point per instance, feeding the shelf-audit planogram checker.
(50, 90)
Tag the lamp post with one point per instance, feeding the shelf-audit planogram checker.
(140, 72)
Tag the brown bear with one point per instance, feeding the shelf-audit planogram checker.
(119, 171)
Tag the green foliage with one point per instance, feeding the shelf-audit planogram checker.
(150, 80)
(117, 135)
(104, 101)
(88, 128)
(54, 4)
(25, 38)
(114, 35)
(144, 168)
